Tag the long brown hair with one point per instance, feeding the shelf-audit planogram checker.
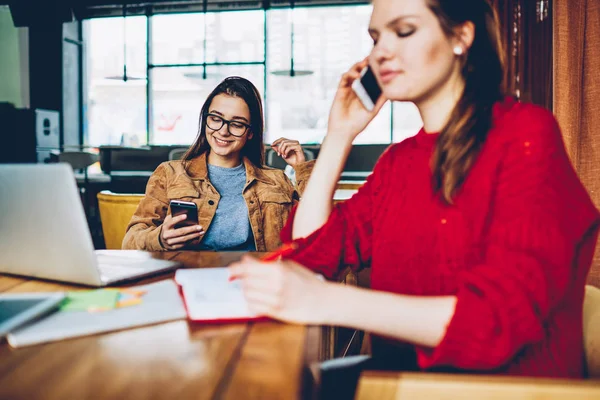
(235, 86)
(460, 141)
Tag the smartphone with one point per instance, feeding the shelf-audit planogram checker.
(367, 89)
(179, 207)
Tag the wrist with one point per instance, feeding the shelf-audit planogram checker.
(333, 298)
(160, 239)
(340, 138)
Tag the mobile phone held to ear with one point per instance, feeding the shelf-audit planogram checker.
(367, 89)
(179, 207)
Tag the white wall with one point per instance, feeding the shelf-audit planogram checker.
(14, 66)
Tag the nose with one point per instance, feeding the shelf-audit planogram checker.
(381, 52)
(224, 131)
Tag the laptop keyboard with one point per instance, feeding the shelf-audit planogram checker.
(116, 268)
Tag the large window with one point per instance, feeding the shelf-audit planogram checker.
(175, 60)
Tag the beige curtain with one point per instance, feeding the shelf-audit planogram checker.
(577, 92)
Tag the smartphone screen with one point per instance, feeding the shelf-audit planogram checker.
(179, 207)
(367, 89)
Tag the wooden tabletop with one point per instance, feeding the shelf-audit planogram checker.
(172, 360)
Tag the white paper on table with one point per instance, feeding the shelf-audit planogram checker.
(209, 295)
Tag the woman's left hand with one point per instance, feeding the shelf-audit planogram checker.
(282, 290)
(290, 150)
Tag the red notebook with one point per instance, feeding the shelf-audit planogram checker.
(210, 297)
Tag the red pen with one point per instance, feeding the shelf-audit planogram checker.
(283, 251)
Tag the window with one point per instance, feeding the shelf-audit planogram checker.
(115, 110)
(190, 54)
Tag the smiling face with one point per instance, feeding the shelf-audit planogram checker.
(225, 148)
(413, 59)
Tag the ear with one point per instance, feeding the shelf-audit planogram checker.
(250, 135)
(464, 36)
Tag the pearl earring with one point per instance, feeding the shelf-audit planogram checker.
(458, 50)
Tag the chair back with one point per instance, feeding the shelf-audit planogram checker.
(591, 330)
(116, 210)
(177, 154)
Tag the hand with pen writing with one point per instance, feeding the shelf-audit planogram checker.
(283, 290)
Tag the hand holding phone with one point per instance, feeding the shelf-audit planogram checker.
(357, 102)
(367, 89)
(179, 207)
(181, 225)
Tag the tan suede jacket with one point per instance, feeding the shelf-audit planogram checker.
(269, 195)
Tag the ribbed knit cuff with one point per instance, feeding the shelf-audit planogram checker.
(153, 240)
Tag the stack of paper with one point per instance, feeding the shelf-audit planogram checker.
(210, 296)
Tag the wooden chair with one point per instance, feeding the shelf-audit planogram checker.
(116, 211)
(397, 385)
(350, 185)
(591, 330)
(345, 190)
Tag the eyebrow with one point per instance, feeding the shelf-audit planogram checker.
(221, 114)
(393, 22)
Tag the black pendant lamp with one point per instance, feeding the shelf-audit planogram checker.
(125, 77)
(204, 75)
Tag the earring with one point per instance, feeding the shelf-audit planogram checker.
(458, 50)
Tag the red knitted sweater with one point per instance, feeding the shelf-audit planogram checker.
(515, 248)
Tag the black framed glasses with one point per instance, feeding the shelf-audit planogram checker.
(235, 128)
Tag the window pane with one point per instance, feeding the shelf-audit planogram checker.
(177, 39)
(115, 110)
(230, 37)
(407, 121)
(298, 107)
(179, 93)
(237, 36)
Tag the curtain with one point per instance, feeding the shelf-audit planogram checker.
(577, 93)
(526, 30)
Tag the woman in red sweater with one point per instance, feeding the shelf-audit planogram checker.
(477, 230)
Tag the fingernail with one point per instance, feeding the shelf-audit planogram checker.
(199, 228)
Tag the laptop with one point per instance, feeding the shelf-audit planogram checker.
(44, 232)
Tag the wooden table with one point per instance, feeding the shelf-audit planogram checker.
(176, 360)
(375, 385)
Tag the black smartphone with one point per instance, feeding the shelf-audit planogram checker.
(179, 207)
(367, 89)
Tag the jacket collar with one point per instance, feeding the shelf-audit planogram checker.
(198, 170)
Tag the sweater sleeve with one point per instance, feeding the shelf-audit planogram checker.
(541, 218)
(345, 239)
(144, 228)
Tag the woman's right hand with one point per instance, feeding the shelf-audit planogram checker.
(348, 116)
(173, 238)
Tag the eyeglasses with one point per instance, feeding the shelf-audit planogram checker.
(236, 128)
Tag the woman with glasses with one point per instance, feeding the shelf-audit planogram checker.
(241, 204)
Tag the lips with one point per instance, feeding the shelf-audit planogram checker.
(387, 76)
(222, 142)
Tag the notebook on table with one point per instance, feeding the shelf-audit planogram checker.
(160, 302)
(210, 297)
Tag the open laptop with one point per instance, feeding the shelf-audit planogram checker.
(44, 232)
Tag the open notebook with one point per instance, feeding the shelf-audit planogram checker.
(210, 297)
